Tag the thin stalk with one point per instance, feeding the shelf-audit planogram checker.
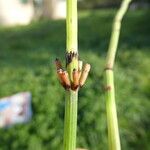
(70, 126)
(115, 33)
(112, 121)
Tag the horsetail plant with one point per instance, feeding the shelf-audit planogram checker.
(112, 122)
(73, 78)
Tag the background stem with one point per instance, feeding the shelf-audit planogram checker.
(115, 34)
(70, 126)
(112, 122)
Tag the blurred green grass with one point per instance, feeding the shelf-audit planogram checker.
(27, 57)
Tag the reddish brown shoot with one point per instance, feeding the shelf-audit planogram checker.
(79, 76)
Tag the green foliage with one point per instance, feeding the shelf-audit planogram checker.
(26, 63)
(95, 3)
(106, 3)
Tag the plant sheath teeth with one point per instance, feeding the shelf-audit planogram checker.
(75, 75)
(59, 73)
(64, 78)
(84, 74)
(79, 73)
(58, 64)
(80, 65)
(70, 56)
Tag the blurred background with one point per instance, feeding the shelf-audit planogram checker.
(32, 35)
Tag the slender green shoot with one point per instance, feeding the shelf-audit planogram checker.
(70, 128)
(112, 122)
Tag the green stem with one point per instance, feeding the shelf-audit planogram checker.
(115, 33)
(72, 26)
(70, 126)
(112, 122)
(70, 120)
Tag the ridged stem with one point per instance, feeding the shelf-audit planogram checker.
(70, 126)
(115, 34)
(112, 121)
(70, 120)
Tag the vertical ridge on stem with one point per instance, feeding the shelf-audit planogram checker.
(113, 131)
(115, 34)
(70, 126)
(72, 26)
(112, 121)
